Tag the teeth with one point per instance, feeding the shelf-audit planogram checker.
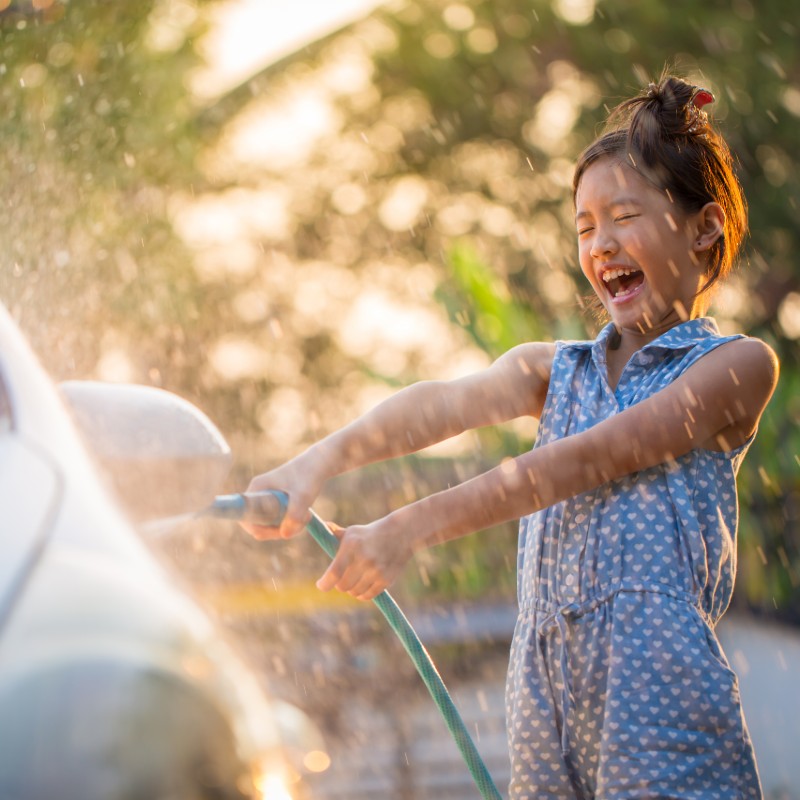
(610, 274)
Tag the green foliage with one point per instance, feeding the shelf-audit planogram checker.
(769, 494)
(478, 299)
(100, 135)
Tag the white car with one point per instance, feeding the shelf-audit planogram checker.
(113, 683)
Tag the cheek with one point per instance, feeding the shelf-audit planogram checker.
(584, 256)
(639, 239)
(587, 265)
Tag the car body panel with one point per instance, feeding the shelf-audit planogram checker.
(29, 481)
(113, 681)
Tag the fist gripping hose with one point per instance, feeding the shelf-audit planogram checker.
(268, 508)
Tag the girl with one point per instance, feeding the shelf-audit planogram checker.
(617, 686)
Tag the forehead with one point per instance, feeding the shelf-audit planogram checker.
(610, 181)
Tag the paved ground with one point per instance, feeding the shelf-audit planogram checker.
(406, 753)
(767, 659)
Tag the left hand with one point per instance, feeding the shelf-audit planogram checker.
(369, 559)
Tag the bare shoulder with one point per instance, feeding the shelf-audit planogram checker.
(530, 358)
(743, 375)
(752, 365)
(527, 367)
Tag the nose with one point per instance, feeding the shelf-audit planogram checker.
(603, 244)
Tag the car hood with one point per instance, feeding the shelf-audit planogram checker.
(89, 607)
(30, 494)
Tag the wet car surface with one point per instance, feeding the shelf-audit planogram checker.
(113, 682)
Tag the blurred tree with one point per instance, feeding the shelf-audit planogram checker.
(389, 204)
(94, 138)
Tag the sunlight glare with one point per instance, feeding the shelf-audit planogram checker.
(115, 366)
(576, 12)
(246, 36)
(456, 217)
(282, 134)
(349, 71)
(238, 358)
(272, 787)
(226, 217)
(220, 262)
(316, 761)
(556, 115)
(284, 417)
(403, 203)
(376, 320)
(791, 100)
(482, 40)
(440, 45)
(169, 22)
(497, 220)
(459, 17)
(789, 315)
(348, 198)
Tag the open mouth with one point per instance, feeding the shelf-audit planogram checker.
(623, 281)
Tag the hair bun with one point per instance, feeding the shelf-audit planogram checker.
(674, 105)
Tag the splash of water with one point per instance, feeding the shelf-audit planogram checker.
(159, 528)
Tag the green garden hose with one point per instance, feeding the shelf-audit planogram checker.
(268, 508)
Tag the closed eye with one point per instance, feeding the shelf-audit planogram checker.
(582, 231)
(624, 217)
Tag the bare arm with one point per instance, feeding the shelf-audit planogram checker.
(720, 399)
(431, 411)
(421, 415)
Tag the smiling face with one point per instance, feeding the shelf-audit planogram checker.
(644, 256)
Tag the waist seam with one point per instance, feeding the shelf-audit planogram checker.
(579, 608)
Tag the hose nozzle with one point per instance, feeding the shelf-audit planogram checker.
(261, 508)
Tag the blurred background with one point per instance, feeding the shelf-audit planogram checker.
(284, 212)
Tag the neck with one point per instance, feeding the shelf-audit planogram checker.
(632, 339)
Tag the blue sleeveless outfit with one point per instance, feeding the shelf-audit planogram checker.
(617, 685)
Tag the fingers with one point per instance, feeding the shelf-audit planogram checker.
(298, 508)
(294, 520)
(293, 524)
(352, 576)
(368, 588)
(259, 531)
(330, 577)
(336, 530)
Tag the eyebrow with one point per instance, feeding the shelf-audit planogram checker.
(619, 201)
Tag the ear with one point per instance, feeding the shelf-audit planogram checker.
(710, 220)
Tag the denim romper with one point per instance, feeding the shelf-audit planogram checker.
(617, 685)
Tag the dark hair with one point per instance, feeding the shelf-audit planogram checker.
(665, 135)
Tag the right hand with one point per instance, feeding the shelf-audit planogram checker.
(369, 558)
(301, 483)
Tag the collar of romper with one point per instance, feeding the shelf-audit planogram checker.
(683, 336)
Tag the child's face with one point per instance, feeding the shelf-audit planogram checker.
(637, 248)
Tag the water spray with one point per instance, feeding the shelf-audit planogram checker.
(268, 509)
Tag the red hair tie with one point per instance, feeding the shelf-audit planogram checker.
(698, 118)
(702, 97)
